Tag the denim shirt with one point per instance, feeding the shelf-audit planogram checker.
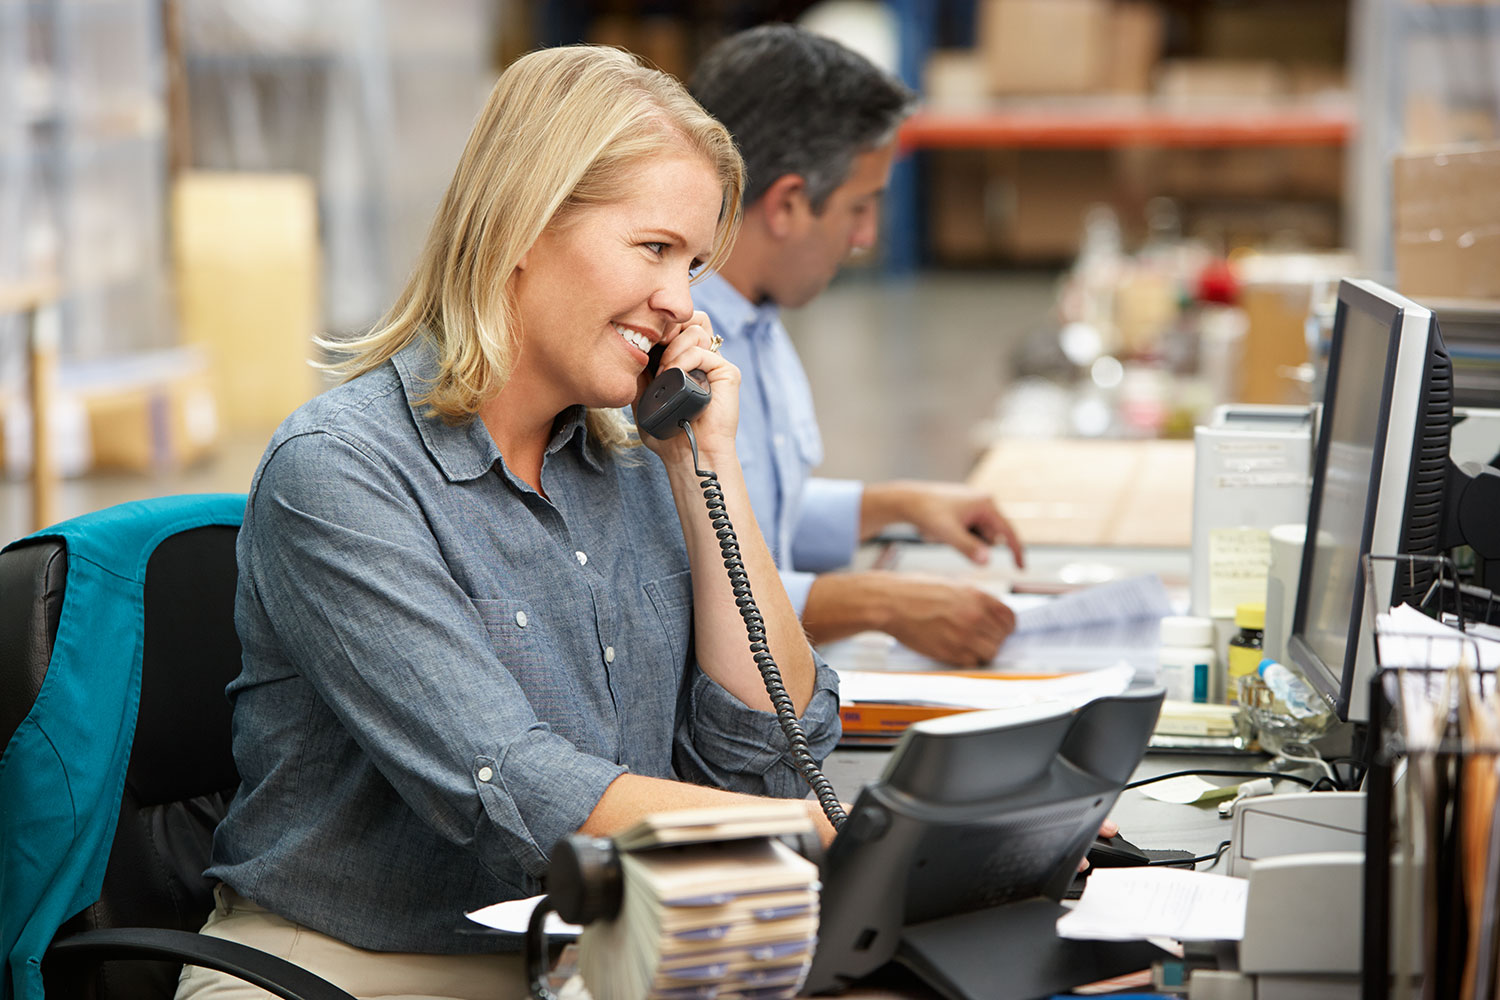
(811, 524)
(444, 670)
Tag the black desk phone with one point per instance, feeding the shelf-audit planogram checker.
(953, 863)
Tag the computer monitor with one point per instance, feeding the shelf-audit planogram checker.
(954, 861)
(1377, 484)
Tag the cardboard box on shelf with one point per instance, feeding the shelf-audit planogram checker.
(1136, 37)
(954, 78)
(1045, 46)
(1189, 80)
(138, 413)
(1227, 227)
(1288, 31)
(1053, 192)
(964, 187)
(1241, 172)
(246, 250)
(1432, 123)
(1447, 223)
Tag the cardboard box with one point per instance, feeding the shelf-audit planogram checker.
(954, 78)
(1288, 31)
(1189, 80)
(1045, 46)
(1242, 172)
(965, 185)
(1053, 192)
(1431, 123)
(1137, 34)
(247, 255)
(1447, 223)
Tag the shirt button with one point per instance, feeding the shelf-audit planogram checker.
(485, 774)
(780, 440)
(582, 557)
(609, 654)
(521, 618)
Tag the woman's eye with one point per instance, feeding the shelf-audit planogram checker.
(656, 248)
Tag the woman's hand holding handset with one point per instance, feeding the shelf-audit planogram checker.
(687, 346)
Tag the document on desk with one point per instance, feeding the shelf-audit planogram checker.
(893, 688)
(1132, 904)
(1089, 629)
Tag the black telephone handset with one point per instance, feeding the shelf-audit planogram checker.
(672, 397)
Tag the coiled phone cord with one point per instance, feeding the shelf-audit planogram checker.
(755, 629)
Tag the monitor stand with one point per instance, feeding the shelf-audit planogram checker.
(1012, 952)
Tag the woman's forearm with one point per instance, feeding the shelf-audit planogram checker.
(631, 797)
(722, 644)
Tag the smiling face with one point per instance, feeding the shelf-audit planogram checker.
(599, 287)
(820, 242)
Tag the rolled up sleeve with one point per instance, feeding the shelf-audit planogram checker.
(725, 743)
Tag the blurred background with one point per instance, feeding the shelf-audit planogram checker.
(1109, 216)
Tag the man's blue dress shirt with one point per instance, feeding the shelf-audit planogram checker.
(444, 670)
(811, 525)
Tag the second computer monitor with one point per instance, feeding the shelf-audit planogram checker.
(1377, 483)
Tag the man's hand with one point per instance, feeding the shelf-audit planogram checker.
(951, 622)
(951, 513)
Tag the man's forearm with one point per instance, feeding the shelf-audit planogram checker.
(841, 604)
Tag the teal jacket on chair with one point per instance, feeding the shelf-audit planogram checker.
(62, 773)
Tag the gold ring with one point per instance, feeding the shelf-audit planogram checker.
(714, 341)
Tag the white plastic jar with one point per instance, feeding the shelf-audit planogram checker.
(1186, 658)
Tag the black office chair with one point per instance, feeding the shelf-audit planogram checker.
(179, 780)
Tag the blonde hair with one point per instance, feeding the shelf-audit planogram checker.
(562, 129)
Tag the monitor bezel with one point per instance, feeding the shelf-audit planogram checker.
(1408, 342)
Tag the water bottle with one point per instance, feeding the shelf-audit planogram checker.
(1292, 691)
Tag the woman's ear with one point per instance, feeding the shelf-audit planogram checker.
(525, 259)
(785, 205)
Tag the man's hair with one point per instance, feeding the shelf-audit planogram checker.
(798, 103)
(563, 128)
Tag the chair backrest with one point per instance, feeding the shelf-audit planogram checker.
(181, 775)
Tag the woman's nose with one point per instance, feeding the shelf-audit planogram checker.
(675, 300)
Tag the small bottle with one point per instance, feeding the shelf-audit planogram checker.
(1186, 657)
(1246, 646)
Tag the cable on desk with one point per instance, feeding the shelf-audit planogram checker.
(1178, 862)
(1215, 773)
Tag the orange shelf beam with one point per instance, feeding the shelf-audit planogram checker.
(1083, 128)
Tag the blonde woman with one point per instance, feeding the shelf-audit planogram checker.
(477, 616)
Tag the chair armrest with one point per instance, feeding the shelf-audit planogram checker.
(276, 975)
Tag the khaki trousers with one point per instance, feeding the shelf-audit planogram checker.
(365, 974)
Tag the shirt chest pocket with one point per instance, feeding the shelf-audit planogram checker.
(525, 647)
(672, 599)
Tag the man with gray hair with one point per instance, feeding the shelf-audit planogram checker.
(816, 124)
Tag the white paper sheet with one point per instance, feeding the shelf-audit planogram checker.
(1131, 904)
(1089, 629)
(513, 915)
(885, 687)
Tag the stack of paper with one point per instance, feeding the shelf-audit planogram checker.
(1088, 629)
(735, 918)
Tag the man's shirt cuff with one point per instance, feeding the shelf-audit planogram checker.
(827, 529)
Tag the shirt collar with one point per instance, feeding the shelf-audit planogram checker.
(737, 314)
(466, 451)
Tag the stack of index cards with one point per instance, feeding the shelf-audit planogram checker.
(704, 921)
